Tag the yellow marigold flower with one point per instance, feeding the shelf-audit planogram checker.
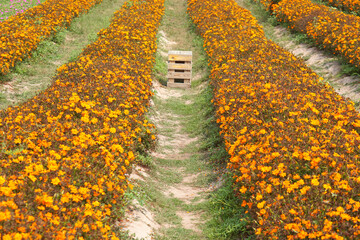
(302, 234)
(74, 131)
(340, 209)
(78, 224)
(32, 178)
(258, 197)
(5, 215)
(292, 211)
(243, 189)
(85, 119)
(88, 212)
(304, 190)
(336, 176)
(327, 225)
(2, 180)
(94, 120)
(315, 182)
(292, 226)
(55, 181)
(52, 165)
(7, 237)
(265, 168)
(275, 154)
(262, 131)
(262, 211)
(315, 122)
(83, 190)
(261, 204)
(268, 189)
(117, 147)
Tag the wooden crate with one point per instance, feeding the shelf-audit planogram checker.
(179, 69)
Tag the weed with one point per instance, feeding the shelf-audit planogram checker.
(45, 50)
(76, 27)
(160, 69)
(92, 37)
(59, 36)
(349, 69)
(229, 220)
(4, 78)
(25, 70)
(145, 161)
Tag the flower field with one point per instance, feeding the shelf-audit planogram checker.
(348, 5)
(294, 142)
(13, 7)
(329, 28)
(22, 33)
(66, 153)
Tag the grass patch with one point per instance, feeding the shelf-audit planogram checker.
(229, 220)
(169, 162)
(176, 233)
(145, 161)
(160, 69)
(167, 176)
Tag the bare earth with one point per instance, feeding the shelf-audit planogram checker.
(173, 144)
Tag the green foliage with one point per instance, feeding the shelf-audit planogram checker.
(145, 141)
(76, 27)
(145, 161)
(45, 49)
(59, 37)
(92, 37)
(201, 63)
(4, 78)
(229, 219)
(213, 143)
(24, 70)
(349, 69)
(160, 69)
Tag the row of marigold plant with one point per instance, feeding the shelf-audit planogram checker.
(22, 33)
(294, 142)
(329, 28)
(347, 5)
(67, 152)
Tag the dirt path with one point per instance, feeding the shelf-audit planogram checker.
(176, 185)
(324, 64)
(170, 195)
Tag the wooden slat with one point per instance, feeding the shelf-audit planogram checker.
(179, 69)
(180, 58)
(185, 75)
(178, 85)
(174, 52)
(179, 66)
(173, 80)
